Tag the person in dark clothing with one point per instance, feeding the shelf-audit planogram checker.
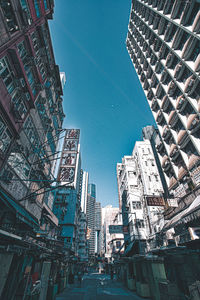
(111, 274)
(71, 278)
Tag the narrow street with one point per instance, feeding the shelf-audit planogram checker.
(97, 287)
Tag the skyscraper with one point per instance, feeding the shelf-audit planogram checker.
(84, 191)
(163, 44)
(90, 214)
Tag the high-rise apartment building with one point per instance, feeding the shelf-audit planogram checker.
(164, 46)
(141, 195)
(31, 117)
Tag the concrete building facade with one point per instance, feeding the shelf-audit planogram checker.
(163, 44)
(141, 195)
(98, 228)
(31, 118)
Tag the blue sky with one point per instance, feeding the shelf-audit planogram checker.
(102, 96)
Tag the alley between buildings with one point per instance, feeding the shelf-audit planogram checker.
(96, 286)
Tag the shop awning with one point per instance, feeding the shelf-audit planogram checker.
(186, 215)
(20, 211)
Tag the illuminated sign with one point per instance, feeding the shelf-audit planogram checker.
(155, 201)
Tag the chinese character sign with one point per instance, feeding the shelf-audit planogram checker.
(67, 169)
(155, 201)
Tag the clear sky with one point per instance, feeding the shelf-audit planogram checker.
(102, 96)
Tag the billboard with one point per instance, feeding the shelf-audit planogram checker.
(155, 201)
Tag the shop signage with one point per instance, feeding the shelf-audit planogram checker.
(155, 201)
(172, 202)
(115, 229)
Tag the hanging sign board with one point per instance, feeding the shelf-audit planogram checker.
(155, 201)
(172, 202)
(115, 229)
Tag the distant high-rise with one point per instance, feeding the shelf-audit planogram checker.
(63, 79)
(163, 43)
(90, 214)
(84, 191)
(98, 227)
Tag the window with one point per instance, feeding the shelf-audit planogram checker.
(156, 177)
(45, 5)
(37, 8)
(18, 105)
(31, 80)
(9, 16)
(140, 223)
(25, 8)
(5, 136)
(136, 205)
(152, 163)
(195, 51)
(149, 178)
(6, 74)
(29, 73)
(22, 50)
(145, 163)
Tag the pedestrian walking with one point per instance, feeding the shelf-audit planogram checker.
(80, 278)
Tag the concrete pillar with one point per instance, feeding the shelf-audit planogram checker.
(5, 262)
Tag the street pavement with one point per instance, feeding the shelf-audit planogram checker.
(96, 286)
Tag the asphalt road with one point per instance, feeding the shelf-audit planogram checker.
(97, 287)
